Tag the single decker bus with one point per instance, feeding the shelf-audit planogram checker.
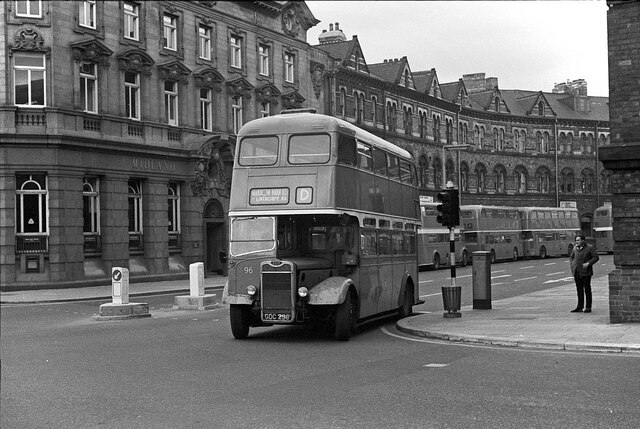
(323, 219)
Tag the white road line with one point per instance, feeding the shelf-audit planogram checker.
(566, 279)
(495, 284)
(524, 268)
(555, 274)
(499, 277)
(526, 278)
(432, 294)
(426, 281)
(550, 263)
(500, 271)
(460, 277)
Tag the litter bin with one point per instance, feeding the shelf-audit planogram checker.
(451, 300)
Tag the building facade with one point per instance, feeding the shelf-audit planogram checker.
(118, 122)
(502, 147)
(117, 128)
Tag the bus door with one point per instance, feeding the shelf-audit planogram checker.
(369, 291)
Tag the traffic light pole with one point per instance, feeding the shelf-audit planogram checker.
(452, 256)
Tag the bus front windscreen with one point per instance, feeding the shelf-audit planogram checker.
(252, 235)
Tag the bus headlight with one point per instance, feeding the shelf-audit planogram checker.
(303, 292)
(251, 290)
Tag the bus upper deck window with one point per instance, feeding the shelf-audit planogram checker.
(379, 162)
(347, 150)
(309, 149)
(258, 151)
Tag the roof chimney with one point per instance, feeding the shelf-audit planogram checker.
(330, 27)
(337, 26)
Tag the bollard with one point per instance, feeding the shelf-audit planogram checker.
(196, 279)
(481, 280)
(120, 285)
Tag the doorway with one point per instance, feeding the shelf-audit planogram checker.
(215, 249)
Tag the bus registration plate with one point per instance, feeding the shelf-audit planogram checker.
(276, 317)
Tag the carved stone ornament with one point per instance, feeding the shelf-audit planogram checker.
(213, 168)
(208, 3)
(91, 50)
(268, 93)
(174, 70)
(317, 75)
(290, 23)
(135, 60)
(292, 100)
(28, 39)
(209, 78)
(240, 87)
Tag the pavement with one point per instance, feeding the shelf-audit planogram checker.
(538, 320)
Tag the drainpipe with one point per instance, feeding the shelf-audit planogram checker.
(555, 137)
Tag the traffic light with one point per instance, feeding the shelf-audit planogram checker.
(449, 209)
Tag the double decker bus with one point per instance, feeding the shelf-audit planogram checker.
(493, 229)
(548, 231)
(323, 220)
(433, 241)
(603, 229)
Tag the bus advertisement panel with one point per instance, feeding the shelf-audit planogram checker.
(323, 221)
(433, 241)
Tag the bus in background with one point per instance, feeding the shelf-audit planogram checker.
(548, 231)
(323, 221)
(433, 241)
(493, 229)
(603, 229)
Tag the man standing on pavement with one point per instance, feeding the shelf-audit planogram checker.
(582, 259)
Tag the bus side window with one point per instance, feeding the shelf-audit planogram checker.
(379, 162)
(368, 243)
(394, 167)
(347, 150)
(365, 159)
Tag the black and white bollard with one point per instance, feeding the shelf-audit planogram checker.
(197, 299)
(120, 307)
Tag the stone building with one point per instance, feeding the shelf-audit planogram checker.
(117, 129)
(525, 148)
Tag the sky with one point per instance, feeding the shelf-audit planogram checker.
(529, 45)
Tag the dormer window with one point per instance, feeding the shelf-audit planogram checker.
(496, 102)
(541, 109)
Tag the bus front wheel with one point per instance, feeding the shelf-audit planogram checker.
(239, 316)
(543, 252)
(406, 309)
(345, 318)
(436, 261)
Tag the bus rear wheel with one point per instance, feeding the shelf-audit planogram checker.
(465, 259)
(406, 309)
(543, 252)
(239, 316)
(344, 319)
(436, 261)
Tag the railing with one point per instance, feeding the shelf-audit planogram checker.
(135, 130)
(31, 118)
(32, 244)
(89, 124)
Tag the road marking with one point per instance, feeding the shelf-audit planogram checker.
(566, 279)
(495, 284)
(554, 274)
(499, 277)
(526, 278)
(422, 312)
(433, 294)
(500, 271)
(426, 281)
(550, 263)
(466, 275)
(436, 365)
(524, 268)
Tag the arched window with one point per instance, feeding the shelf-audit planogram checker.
(482, 136)
(451, 172)
(541, 109)
(481, 175)
(567, 181)
(562, 141)
(408, 120)
(495, 139)
(374, 110)
(539, 142)
(449, 131)
(437, 173)
(522, 146)
(569, 145)
(500, 175)
(496, 103)
(545, 142)
(520, 173)
(423, 165)
(587, 181)
(423, 125)
(342, 102)
(543, 179)
(464, 177)
(605, 182)
(436, 129)
(476, 136)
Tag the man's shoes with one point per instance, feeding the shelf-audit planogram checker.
(587, 310)
(577, 310)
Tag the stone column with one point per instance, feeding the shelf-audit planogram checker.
(622, 158)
